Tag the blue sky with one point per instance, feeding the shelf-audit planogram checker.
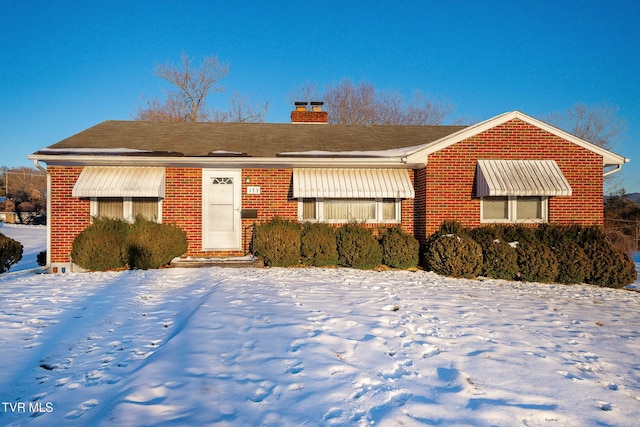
(68, 65)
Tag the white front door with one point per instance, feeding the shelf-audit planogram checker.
(221, 197)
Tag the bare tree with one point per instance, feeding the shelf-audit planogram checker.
(25, 191)
(186, 101)
(363, 104)
(242, 110)
(598, 123)
(191, 85)
(172, 109)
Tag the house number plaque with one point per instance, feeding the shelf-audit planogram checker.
(253, 190)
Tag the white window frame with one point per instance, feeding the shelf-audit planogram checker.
(379, 219)
(513, 211)
(127, 207)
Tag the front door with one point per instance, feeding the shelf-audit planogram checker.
(221, 193)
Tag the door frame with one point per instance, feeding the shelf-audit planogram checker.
(236, 175)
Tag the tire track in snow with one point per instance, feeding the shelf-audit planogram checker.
(184, 317)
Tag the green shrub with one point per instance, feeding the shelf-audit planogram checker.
(609, 267)
(10, 252)
(499, 260)
(487, 233)
(453, 255)
(357, 247)
(278, 243)
(41, 258)
(318, 245)
(151, 245)
(450, 226)
(554, 235)
(101, 245)
(573, 264)
(536, 262)
(399, 249)
(519, 233)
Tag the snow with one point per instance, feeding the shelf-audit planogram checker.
(33, 239)
(392, 152)
(92, 151)
(291, 347)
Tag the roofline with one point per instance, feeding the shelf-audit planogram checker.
(236, 162)
(608, 157)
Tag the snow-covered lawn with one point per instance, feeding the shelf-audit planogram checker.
(291, 347)
(33, 239)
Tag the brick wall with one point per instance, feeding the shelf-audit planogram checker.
(69, 215)
(309, 116)
(182, 204)
(450, 175)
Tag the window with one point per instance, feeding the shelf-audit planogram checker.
(127, 208)
(346, 210)
(495, 209)
(514, 209)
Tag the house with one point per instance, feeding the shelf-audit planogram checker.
(216, 180)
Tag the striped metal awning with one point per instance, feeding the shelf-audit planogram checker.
(107, 181)
(521, 178)
(352, 183)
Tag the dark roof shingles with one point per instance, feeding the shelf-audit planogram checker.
(254, 139)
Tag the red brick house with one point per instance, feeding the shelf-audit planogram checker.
(215, 180)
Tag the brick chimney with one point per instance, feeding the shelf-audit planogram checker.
(315, 115)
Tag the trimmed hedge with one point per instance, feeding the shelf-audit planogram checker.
(610, 267)
(573, 264)
(536, 262)
(100, 246)
(357, 247)
(318, 244)
(500, 260)
(399, 249)
(41, 258)
(10, 252)
(109, 244)
(278, 242)
(453, 255)
(550, 252)
(151, 245)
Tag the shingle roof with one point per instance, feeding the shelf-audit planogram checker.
(251, 139)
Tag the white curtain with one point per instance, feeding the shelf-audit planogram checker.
(495, 208)
(145, 206)
(529, 208)
(111, 207)
(349, 209)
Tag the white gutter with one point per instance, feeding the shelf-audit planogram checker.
(236, 162)
(48, 262)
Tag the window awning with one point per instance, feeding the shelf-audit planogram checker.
(103, 181)
(352, 183)
(521, 178)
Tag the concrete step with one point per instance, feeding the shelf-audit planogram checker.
(237, 262)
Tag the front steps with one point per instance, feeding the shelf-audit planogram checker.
(236, 262)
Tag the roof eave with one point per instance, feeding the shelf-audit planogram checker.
(237, 162)
(420, 156)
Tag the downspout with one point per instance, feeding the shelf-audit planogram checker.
(617, 168)
(612, 171)
(37, 165)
